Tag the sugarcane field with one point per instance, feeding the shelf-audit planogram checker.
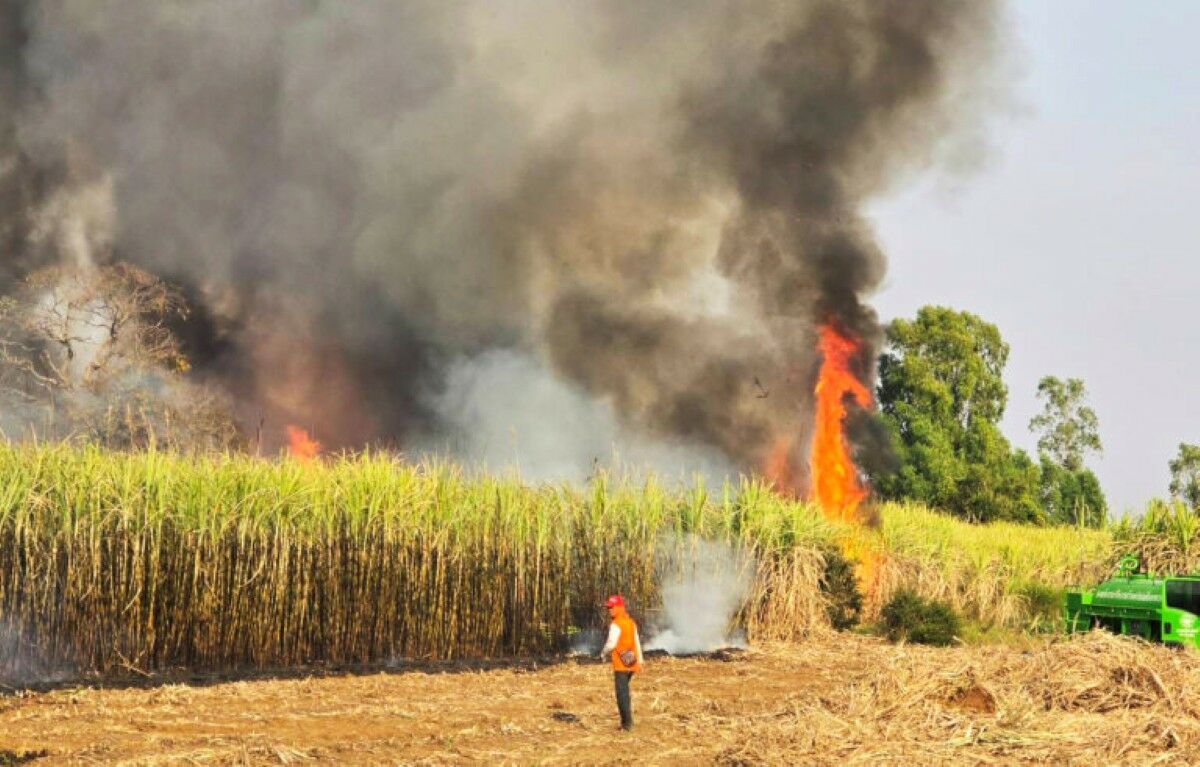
(457, 382)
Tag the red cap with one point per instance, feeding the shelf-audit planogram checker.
(614, 601)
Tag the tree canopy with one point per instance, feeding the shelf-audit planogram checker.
(89, 353)
(1068, 428)
(1071, 497)
(942, 395)
(1185, 475)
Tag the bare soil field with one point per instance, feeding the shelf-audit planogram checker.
(840, 699)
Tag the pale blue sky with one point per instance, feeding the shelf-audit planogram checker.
(1079, 238)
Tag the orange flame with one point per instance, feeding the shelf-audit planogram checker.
(833, 478)
(301, 445)
(868, 562)
(835, 482)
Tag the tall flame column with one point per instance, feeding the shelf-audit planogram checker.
(835, 484)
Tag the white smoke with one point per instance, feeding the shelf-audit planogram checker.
(703, 585)
(78, 221)
(19, 662)
(505, 410)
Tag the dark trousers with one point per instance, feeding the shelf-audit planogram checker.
(621, 682)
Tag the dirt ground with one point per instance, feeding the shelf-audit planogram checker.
(838, 700)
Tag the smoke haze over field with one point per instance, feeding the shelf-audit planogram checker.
(429, 223)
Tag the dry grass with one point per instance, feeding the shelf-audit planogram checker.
(1100, 700)
(840, 700)
(982, 570)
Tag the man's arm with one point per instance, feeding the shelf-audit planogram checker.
(614, 633)
(637, 640)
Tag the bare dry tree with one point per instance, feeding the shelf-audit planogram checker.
(95, 346)
(98, 323)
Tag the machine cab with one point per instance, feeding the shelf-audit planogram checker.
(1180, 621)
(1184, 594)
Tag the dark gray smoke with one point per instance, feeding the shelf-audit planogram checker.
(653, 205)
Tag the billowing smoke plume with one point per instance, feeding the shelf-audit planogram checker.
(368, 204)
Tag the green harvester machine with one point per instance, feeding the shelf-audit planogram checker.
(1160, 609)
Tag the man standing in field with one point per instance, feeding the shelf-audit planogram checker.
(625, 647)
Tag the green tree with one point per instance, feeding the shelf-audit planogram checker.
(1185, 475)
(942, 395)
(1071, 497)
(1068, 429)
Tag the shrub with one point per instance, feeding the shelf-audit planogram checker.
(840, 589)
(1043, 603)
(909, 617)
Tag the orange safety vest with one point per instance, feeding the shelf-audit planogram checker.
(627, 642)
